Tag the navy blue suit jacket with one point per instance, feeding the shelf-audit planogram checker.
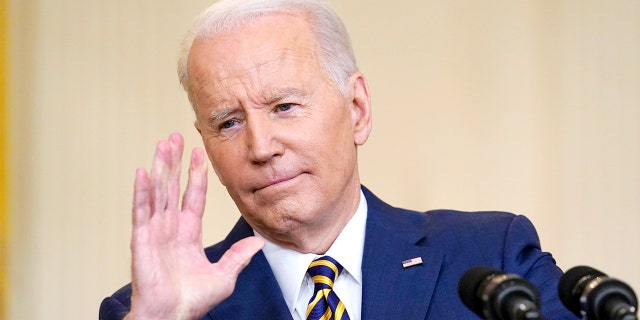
(449, 243)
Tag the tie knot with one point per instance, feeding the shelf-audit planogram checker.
(324, 271)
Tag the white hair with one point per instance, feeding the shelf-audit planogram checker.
(332, 40)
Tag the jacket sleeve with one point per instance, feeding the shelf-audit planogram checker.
(117, 306)
(523, 256)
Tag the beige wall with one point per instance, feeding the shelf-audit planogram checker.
(524, 106)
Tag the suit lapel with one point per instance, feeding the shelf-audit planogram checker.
(389, 290)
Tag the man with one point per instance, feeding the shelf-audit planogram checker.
(282, 110)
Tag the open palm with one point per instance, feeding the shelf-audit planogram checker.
(171, 276)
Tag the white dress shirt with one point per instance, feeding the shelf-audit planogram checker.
(290, 268)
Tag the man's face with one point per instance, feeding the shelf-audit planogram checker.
(279, 134)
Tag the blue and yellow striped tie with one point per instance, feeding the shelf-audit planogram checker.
(325, 304)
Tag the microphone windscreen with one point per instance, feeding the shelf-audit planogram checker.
(568, 286)
(470, 283)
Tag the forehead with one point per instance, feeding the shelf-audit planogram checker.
(275, 43)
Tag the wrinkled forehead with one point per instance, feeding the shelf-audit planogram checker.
(269, 32)
(273, 49)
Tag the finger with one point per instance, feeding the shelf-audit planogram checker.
(141, 210)
(196, 193)
(239, 255)
(177, 144)
(159, 177)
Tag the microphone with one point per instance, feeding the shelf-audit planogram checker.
(591, 294)
(495, 295)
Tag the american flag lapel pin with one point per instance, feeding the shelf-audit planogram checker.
(411, 262)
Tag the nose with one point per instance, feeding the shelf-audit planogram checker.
(262, 139)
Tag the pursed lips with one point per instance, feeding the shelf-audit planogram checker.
(276, 181)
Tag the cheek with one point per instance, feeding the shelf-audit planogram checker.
(223, 162)
(332, 148)
(337, 133)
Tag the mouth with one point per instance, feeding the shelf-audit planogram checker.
(277, 182)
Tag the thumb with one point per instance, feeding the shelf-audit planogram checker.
(239, 255)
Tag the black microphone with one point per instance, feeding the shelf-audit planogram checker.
(591, 294)
(495, 295)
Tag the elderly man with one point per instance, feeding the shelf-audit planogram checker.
(282, 109)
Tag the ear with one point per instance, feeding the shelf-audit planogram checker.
(359, 101)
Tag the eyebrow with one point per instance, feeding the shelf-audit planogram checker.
(220, 114)
(284, 93)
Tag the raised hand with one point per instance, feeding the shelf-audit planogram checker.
(171, 276)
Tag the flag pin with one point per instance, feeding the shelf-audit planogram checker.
(412, 262)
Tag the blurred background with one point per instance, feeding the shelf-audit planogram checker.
(531, 107)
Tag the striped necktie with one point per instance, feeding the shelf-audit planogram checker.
(325, 304)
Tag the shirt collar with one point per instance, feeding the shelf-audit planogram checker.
(289, 266)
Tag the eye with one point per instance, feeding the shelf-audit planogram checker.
(228, 124)
(284, 107)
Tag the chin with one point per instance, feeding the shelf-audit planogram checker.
(275, 228)
(282, 218)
